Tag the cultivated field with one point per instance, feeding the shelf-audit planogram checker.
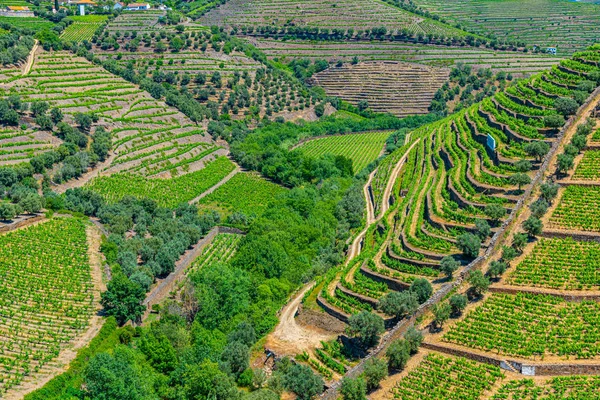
(149, 137)
(559, 264)
(332, 14)
(441, 377)
(577, 209)
(244, 192)
(530, 326)
(167, 192)
(361, 148)
(433, 55)
(83, 27)
(220, 250)
(447, 179)
(398, 88)
(46, 298)
(212, 71)
(566, 25)
(136, 21)
(34, 23)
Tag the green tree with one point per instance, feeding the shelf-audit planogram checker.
(537, 149)
(367, 326)
(31, 203)
(519, 241)
(548, 191)
(123, 299)
(207, 381)
(375, 371)
(457, 302)
(554, 121)
(483, 229)
(7, 211)
(236, 358)
(566, 106)
(84, 121)
(398, 354)
(449, 265)
(414, 338)
(441, 314)
(56, 115)
(496, 268)
(520, 179)
(509, 253)
(469, 244)
(422, 288)
(539, 208)
(495, 212)
(354, 389)
(39, 108)
(565, 163)
(399, 304)
(118, 376)
(532, 226)
(44, 122)
(159, 352)
(479, 283)
(303, 382)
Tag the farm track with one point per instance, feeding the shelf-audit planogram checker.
(289, 337)
(218, 185)
(30, 58)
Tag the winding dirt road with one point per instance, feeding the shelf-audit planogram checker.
(30, 58)
(290, 338)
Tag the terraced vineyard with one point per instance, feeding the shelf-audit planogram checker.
(517, 63)
(559, 264)
(149, 137)
(220, 250)
(17, 145)
(332, 14)
(211, 70)
(566, 25)
(529, 325)
(136, 21)
(83, 27)
(244, 192)
(398, 88)
(361, 148)
(589, 166)
(448, 179)
(166, 192)
(441, 377)
(573, 387)
(46, 298)
(34, 23)
(576, 210)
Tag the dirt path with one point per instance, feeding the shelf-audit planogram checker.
(385, 201)
(355, 247)
(290, 338)
(30, 58)
(218, 185)
(67, 355)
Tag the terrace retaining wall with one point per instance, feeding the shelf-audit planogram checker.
(23, 222)
(569, 296)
